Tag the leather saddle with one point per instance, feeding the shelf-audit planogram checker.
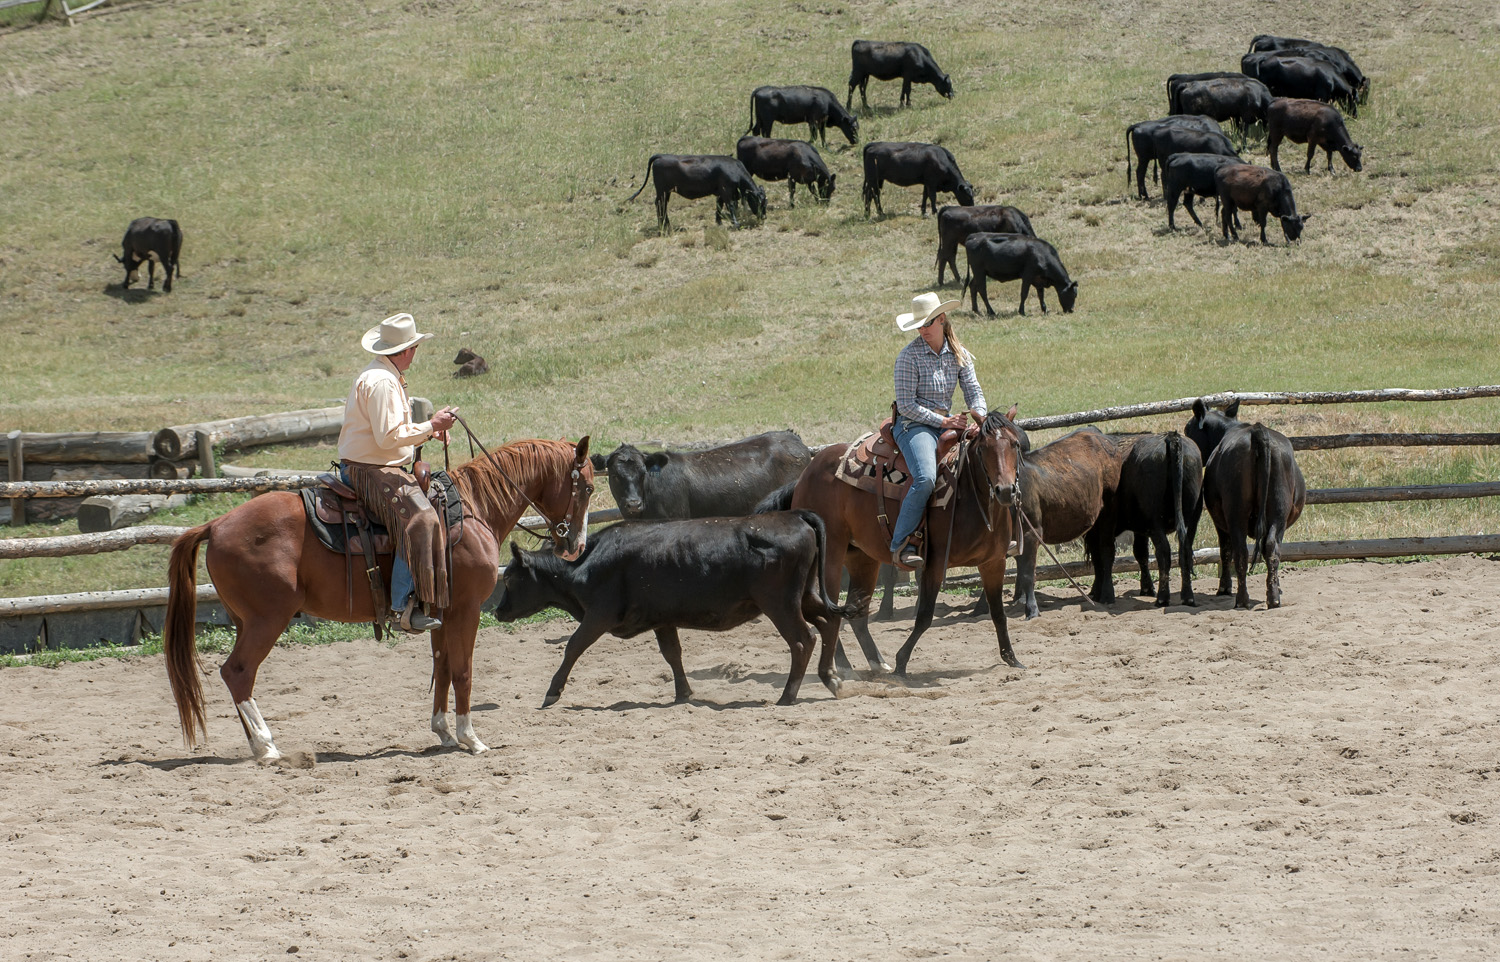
(342, 523)
(875, 463)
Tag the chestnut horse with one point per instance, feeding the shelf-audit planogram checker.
(979, 519)
(267, 565)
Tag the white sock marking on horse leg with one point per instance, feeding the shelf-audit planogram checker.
(440, 729)
(466, 736)
(258, 731)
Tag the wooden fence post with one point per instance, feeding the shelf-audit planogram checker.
(206, 465)
(17, 473)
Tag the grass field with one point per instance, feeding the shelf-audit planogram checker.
(333, 164)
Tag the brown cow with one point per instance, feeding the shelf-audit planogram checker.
(1314, 124)
(1262, 191)
(470, 364)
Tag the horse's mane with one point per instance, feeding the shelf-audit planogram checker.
(486, 490)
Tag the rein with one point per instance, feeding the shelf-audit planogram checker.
(555, 529)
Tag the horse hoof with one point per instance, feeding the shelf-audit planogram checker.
(833, 684)
(475, 747)
(885, 668)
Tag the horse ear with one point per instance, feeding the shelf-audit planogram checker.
(977, 419)
(598, 461)
(1232, 409)
(582, 450)
(1014, 410)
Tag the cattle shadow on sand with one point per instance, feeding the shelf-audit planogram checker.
(758, 704)
(130, 295)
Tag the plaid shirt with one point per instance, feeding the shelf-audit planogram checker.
(925, 382)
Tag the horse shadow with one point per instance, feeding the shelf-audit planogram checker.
(130, 295)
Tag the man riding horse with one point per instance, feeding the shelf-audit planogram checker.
(376, 447)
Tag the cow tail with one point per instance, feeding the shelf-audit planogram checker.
(815, 521)
(649, 161)
(176, 248)
(752, 117)
(1027, 221)
(1260, 461)
(1128, 131)
(1174, 485)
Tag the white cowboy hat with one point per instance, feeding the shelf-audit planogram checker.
(924, 307)
(393, 335)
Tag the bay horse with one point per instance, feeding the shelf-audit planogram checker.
(979, 518)
(267, 565)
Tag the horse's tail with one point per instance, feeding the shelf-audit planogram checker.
(1260, 461)
(1174, 483)
(644, 182)
(815, 521)
(177, 633)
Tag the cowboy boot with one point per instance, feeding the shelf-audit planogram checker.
(415, 621)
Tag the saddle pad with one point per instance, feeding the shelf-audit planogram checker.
(323, 514)
(866, 459)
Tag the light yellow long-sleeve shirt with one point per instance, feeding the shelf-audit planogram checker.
(378, 428)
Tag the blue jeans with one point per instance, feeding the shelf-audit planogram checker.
(402, 583)
(919, 443)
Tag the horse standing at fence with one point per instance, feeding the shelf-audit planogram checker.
(267, 565)
(973, 530)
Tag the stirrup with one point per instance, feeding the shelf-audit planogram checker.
(415, 621)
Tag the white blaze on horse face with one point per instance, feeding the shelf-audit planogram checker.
(466, 736)
(440, 729)
(583, 539)
(258, 731)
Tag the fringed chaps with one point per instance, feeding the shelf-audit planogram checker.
(397, 502)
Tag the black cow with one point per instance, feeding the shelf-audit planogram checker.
(1263, 192)
(957, 223)
(152, 241)
(814, 106)
(720, 481)
(1139, 136)
(1169, 140)
(906, 164)
(888, 60)
(1251, 487)
(1314, 124)
(1011, 257)
(1160, 492)
(711, 574)
(1305, 77)
(1176, 81)
(1337, 56)
(1185, 176)
(790, 160)
(702, 175)
(1241, 99)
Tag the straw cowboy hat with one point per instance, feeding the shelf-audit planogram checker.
(924, 307)
(393, 335)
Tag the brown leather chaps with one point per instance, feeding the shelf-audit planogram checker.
(395, 499)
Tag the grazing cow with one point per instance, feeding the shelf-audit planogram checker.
(1160, 491)
(702, 175)
(1011, 257)
(790, 160)
(1169, 140)
(1314, 124)
(721, 481)
(1065, 485)
(711, 574)
(1305, 77)
(906, 164)
(1337, 56)
(1140, 137)
(470, 364)
(1251, 487)
(1241, 99)
(1263, 192)
(957, 223)
(887, 60)
(814, 106)
(152, 241)
(1188, 175)
(1176, 81)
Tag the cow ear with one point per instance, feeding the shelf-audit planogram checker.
(516, 556)
(656, 460)
(1200, 410)
(1232, 409)
(1306, 218)
(582, 450)
(598, 461)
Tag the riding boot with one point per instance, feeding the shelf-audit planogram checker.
(910, 556)
(415, 621)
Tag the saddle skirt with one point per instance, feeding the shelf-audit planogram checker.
(326, 506)
(876, 454)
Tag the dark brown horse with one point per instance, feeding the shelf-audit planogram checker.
(979, 519)
(267, 565)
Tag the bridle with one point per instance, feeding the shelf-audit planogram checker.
(556, 530)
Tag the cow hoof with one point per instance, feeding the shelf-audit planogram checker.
(683, 697)
(1163, 602)
(1190, 601)
(551, 699)
(1011, 660)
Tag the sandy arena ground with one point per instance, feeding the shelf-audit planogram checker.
(1313, 782)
